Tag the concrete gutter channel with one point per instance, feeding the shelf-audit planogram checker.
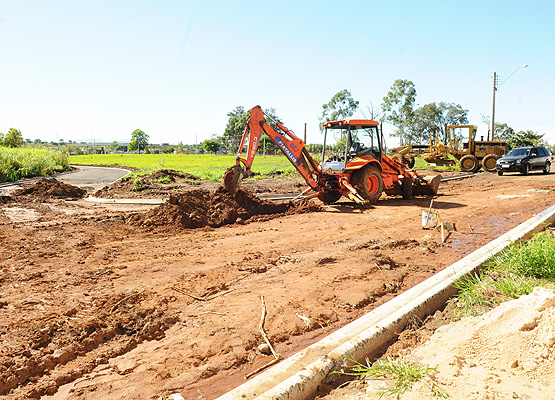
(299, 376)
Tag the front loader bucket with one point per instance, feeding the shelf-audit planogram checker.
(232, 178)
(427, 185)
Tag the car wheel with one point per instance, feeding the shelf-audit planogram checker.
(525, 169)
(547, 168)
(500, 173)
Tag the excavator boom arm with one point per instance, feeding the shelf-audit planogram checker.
(288, 143)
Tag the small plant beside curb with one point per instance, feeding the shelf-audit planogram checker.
(403, 374)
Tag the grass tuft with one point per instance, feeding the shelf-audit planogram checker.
(403, 373)
(533, 258)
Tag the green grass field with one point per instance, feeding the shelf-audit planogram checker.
(205, 166)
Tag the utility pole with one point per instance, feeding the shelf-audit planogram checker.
(305, 133)
(492, 129)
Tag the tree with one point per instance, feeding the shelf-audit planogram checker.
(372, 112)
(398, 106)
(503, 132)
(13, 138)
(234, 128)
(522, 138)
(114, 146)
(432, 118)
(139, 140)
(341, 106)
(212, 145)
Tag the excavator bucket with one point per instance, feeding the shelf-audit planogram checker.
(427, 185)
(232, 178)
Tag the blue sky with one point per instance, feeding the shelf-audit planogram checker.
(80, 70)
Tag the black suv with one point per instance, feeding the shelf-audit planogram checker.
(525, 159)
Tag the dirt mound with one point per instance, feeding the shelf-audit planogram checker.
(171, 174)
(158, 184)
(51, 187)
(199, 208)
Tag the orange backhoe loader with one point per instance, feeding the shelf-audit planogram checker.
(361, 171)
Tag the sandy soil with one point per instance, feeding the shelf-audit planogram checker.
(96, 305)
(507, 353)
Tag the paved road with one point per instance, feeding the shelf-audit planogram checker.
(95, 177)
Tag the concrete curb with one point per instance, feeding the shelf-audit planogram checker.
(298, 377)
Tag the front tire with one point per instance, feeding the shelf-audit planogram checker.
(368, 182)
(500, 173)
(525, 169)
(469, 163)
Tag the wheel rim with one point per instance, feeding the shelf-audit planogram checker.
(468, 164)
(490, 163)
(373, 184)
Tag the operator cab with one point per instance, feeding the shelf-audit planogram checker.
(353, 138)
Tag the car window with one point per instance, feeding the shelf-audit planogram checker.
(542, 151)
(518, 152)
(534, 152)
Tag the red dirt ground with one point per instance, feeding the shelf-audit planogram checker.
(112, 301)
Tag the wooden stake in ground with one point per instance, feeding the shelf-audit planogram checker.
(277, 357)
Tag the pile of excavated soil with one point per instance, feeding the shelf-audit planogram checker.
(161, 183)
(199, 208)
(51, 187)
(172, 175)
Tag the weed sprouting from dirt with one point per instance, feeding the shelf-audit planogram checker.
(403, 374)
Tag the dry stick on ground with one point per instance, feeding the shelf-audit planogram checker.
(203, 298)
(125, 299)
(207, 312)
(277, 357)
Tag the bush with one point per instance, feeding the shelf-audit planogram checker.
(21, 163)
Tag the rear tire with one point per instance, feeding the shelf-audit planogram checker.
(469, 163)
(368, 182)
(407, 188)
(547, 168)
(489, 161)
